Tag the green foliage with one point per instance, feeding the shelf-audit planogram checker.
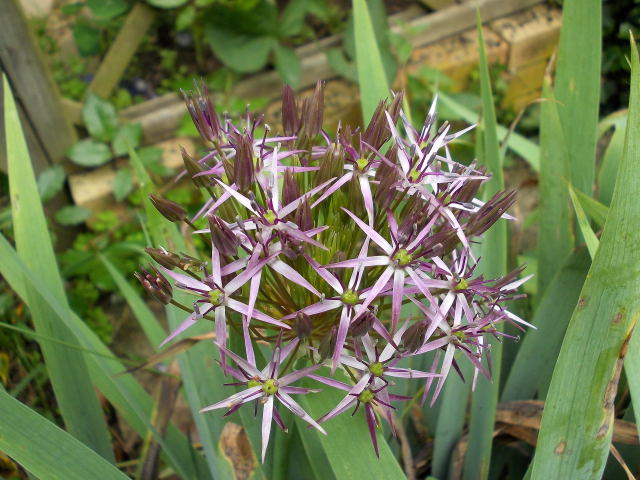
(50, 182)
(72, 215)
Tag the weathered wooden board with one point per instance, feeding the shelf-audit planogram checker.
(49, 133)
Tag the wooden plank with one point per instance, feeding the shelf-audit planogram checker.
(122, 50)
(532, 35)
(457, 56)
(35, 91)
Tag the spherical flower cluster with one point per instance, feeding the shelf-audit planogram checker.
(353, 252)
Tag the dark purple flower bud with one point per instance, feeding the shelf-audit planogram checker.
(290, 117)
(222, 236)
(193, 168)
(490, 212)
(413, 337)
(362, 324)
(313, 112)
(377, 132)
(202, 112)
(302, 216)
(166, 259)
(154, 283)
(328, 344)
(169, 210)
(290, 189)
(303, 326)
(243, 167)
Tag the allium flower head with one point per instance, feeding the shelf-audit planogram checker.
(354, 250)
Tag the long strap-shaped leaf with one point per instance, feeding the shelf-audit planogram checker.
(493, 265)
(577, 423)
(123, 392)
(372, 78)
(577, 86)
(46, 450)
(555, 239)
(531, 370)
(67, 368)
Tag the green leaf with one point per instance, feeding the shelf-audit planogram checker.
(587, 233)
(185, 18)
(595, 210)
(122, 184)
(292, 19)
(610, 161)
(451, 419)
(555, 239)
(100, 118)
(72, 215)
(339, 63)
(531, 370)
(145, 317)
(166, 3)
(287, 64)
(577, 422)
(123, 392)
(128, 136)
(347, 445)
(86, 38)
(89, 153)
(577, 86)
(50, 182)
(493, 265)
(242, 52)
(107, 9)
(372, 78)
(52, 452)
(67, 369)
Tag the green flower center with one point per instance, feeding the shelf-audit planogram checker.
(462, 284)
(376, 369)
(216, 296)
(366, 396)
(270, 216)
(253, 383)
(270, 387)
(403, 257)
(414, 175)
(349, 297)
(459, 335)
(362, 164)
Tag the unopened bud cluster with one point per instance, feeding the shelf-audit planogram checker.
(353, 252)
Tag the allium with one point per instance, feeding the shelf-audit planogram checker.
(346, 254)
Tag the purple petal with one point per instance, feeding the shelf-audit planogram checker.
(316, 308)
(242, 363)
(374, 261)
(398, 291)
(325, 275)
(286, 210)
(297, 375)
(185, 280)
(292, 275)
(341, 181)
(292, 405)
(267, 416)
(371, 233)
(186, 323)
(257, 314)
(343, 327)
(236, 399)
(372, 423)
(244, 201)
